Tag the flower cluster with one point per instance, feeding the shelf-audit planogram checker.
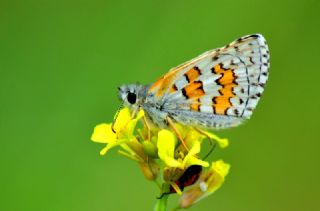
(173, 163)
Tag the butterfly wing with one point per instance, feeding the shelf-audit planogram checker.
(219, 88)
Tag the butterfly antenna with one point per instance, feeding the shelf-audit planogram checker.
(115, 118)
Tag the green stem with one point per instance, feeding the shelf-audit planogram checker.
(161, 204)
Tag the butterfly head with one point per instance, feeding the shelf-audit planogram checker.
(132, 95)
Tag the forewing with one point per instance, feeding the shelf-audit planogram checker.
(224, 81)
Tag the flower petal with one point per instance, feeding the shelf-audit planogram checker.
(166, 145)
(129, 128)
(122, 120)
(221, 167)
(196, 161)
(103, 134)
(121, 142)
(208, 182)
(107, 148)
(191, 158)
(217, 172)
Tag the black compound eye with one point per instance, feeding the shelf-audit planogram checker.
(131, 97)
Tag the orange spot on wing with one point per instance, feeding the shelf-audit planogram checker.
(192, 74)
(156, 84)
(227, 81)
(195, 106)
(221, 104)
(227, 78)
(194, 90)
(162, 84)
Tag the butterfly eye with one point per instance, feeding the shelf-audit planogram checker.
(131, 97)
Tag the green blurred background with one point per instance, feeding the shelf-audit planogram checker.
(61, 63)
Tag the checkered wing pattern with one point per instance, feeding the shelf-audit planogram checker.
(221, 83)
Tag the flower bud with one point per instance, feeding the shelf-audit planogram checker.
(150, 170)
(150, 149)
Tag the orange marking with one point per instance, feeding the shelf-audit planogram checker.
(161, 86)
(227, 81)
(173, 88)
(163, 83)
(156, 84)
(227, 78)
(195, 106)
(194, 90)
(192, 74)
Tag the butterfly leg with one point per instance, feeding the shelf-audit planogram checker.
(212, 136)
(173, 127)
(147, 126)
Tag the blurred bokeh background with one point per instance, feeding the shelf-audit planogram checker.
(62, 61)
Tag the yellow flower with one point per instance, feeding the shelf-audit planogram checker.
(208, 183)
(118, 133)
(161, 152)
(166, 150)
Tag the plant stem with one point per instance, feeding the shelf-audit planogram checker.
(161, 204)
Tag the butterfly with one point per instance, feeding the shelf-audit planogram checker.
(218, 89)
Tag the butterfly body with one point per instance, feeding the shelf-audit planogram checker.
(218, 89)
